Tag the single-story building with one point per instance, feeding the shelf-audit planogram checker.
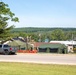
(53, 48)
(50, 47)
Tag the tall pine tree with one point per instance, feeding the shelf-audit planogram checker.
(5, 16)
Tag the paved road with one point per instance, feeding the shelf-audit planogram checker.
(40, 58)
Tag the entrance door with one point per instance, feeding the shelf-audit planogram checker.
(53, 50)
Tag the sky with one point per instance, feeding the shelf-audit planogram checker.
(44, 13)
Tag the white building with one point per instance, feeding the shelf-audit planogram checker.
(69, 44)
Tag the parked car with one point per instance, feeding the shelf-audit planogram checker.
(7, 49)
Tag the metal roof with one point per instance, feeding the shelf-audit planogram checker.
(51, 45)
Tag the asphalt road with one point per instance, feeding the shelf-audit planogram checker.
(67, 59)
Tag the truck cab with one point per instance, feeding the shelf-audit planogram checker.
(7, 49)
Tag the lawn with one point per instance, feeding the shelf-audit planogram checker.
(36, 69)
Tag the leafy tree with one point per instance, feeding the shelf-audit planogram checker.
(5, 16)
(57, 34)
(71, 35)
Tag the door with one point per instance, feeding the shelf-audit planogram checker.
(0, 48)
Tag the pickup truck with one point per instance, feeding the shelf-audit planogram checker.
(7, 49)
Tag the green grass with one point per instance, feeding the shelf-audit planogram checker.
(36, 69)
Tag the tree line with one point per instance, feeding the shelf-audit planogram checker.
(43, 35)
(38, 29)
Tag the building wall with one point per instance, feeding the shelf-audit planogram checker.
(70, 48)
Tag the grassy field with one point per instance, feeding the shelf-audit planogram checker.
(36, 69)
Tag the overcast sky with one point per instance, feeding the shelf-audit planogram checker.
(44, 13)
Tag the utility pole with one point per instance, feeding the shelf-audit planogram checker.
(72, 38)
(27, 42)
(39, 37)
(72, 41)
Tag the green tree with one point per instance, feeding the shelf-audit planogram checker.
(5, 16)
(57, 34)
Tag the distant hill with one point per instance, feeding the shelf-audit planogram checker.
(36, 29)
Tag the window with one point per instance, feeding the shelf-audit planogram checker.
(74, 46)
(6, 46)
(0, 46)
